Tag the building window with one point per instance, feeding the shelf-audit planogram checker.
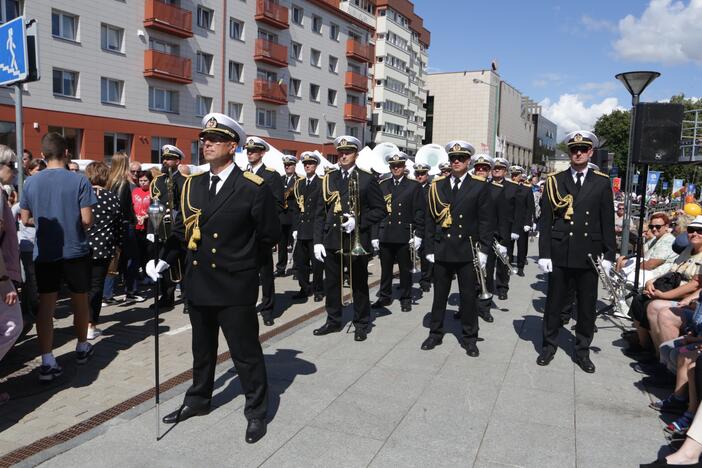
(331, 130)
(195, 151)
(163, 100)
(116, 143)
(73, 137)
(331, 97)
(10, 10)
(294, 123)
(111, 38)
(203, 105)
(156, 145)
(236, 29)
(334, 32)
(314, 92)
(65, 82)
(353, 131)
(265, 118)
(317, 24)
(295, 88)
(204, 63)
(163, 47)
(314, 126)
(333, 64)
(296, 51)
(204, 17)
(64, 25)
(236, 72)
(111, 91)
(316, 58)
(297, 15)
(235, 110)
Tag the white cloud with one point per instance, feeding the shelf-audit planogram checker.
(571, 112)
(668, 32)
(600, 88)
(546, 79)
(592, 24)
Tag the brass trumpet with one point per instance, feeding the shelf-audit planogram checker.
(413, 253)
(354, 209)
(503, 258)
(479, 271)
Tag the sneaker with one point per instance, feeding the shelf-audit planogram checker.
(670, 405)
(94, 333)
(680, 425)
(49, 373)
(108, 301)
(83, 356)
(134, 298)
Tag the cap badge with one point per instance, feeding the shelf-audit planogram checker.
(342, 142)
(578, 137)
(250, 142)
(212, 123)
(456, 147)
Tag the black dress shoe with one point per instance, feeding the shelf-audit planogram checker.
(545, 357)
(502, 296)
(301, 294)
(380, 303)
(268, 322)
(360, 334)
(183, 413)
(520, 271)
(255, 430)
(586, 364)
(326, 329)
(471, 348)
(406, 306)
(487, 316)
(318, 297)
(431, 343)
(426, 288)
(279, 273)
(664, 463)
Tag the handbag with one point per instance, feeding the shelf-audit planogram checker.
(668, 281)
(113, 267)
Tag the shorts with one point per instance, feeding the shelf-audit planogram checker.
(74, 271)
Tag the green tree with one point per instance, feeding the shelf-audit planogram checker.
(613, 130)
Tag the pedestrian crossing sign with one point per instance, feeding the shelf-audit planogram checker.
(14, 66)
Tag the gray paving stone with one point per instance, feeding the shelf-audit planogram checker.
(531, 376)
(537, 406)
(392, 455)
(608, 450)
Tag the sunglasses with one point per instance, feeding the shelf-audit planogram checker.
(458, 157)
(656, 226)
(582, 149)
(694, 230)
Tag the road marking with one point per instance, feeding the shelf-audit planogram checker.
(178, 330)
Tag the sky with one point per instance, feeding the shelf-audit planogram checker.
(564, 54)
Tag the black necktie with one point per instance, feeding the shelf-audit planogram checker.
(344, 175)
(578, 182)
(308, 182)
(397, 182)
(213, 186)
(454, 189)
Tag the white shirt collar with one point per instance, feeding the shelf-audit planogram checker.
(398, 180)
(224, 174)
(460, 179)
(255, 168)
(573, 173)
(349, 170)
(310, 179)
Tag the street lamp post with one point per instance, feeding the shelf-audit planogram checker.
(635, 82)
(156, 213)
(497, 87)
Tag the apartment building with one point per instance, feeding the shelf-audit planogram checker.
(462, 106)
(132, 75)
(401, 56)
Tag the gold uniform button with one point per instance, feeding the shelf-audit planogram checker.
(571, 223)
(214, 266)
(214, 250)
(460, 226)
(587, 212)
(215, 235)
(585, 224)
(459, 236)
(194, 262)
(571, 233)
(460, 216)
(399, 204)
(448, 235)
(586, 234)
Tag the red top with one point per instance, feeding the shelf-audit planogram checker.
(141, 199)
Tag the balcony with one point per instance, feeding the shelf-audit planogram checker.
(272, 13)
(271, 53)
(168, 18)
(356, 82)
(167, 67)
(270, 91)
(361, 52)
(355, 112)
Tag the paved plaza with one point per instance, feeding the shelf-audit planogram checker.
(383, 402)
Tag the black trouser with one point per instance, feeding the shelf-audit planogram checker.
(240, 328)
(427, 269)
(559, 282)
(98, 272)
(389, 254)
(332, 289)
(267, 287)
(304, 255)
(285, 232)
(496, 274)
(30, 294)
(522, 246)
(443, 272)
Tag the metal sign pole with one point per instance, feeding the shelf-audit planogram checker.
(19, 134)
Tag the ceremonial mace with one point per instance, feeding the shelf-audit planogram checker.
(156, 213)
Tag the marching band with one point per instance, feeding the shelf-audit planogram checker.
(463, 223)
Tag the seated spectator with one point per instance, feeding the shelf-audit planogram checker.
(658, 252)
(104, 236)
(680, 232)
(59, 204)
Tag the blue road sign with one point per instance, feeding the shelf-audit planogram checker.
(13, 52)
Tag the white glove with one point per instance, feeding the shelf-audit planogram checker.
(546, 265)
(319, 252)
(527, 228)
(606, 266)
(482, 258)
(430, 258)
(533, 227)
(350, 223)
(154, 270)
(376, 244)
(294, 235)
(514, 236)
(150, 237)
(417, 242)
(502, 249)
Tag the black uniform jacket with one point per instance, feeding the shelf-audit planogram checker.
(271, 177)
(530, 205)
(222, 237)
(514, 200)
(405, 205)
(327, 227)
(504, 214)
(286, 216)
(590, 229)
(305, 205)
(471, 217)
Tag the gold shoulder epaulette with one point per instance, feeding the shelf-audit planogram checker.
(496, 183)
(601, 174)
(271, 169)
(477, 177)
(510, 181)
(525, 184)
(551, 173)
(301, 178)
(198, 174)
(258, 180)
(436, 179)
(385, 180)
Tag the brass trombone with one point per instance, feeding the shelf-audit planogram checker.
(354, 209)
